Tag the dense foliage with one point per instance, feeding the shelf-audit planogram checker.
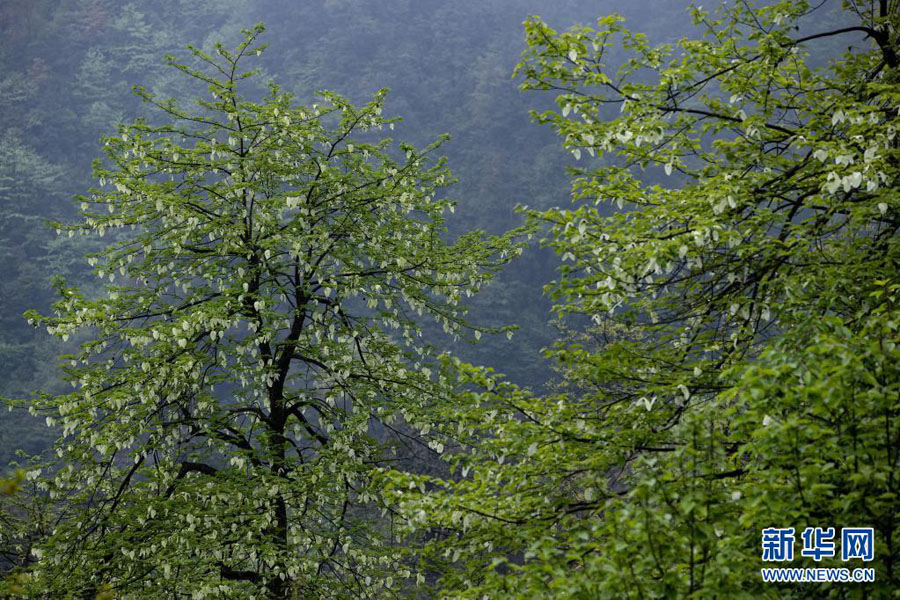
(262, 400)
(66, 71)
(240, 384)
(732, 364)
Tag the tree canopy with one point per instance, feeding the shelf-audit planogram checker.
(255, 352)
(729, 279)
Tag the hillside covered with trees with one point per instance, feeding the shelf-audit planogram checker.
(449, 300)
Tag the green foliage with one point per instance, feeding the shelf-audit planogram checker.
(66, 70)
(65, 74)
(255, 349)
(11, 485)
(25, 517)
(739, 372)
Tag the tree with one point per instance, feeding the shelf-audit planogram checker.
(239, 385)
(9, 486)
(740, 370)
(26, 516)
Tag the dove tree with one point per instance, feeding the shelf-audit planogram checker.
(736, 256)
(257, 342)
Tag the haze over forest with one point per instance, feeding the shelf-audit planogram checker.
(68, 69)
(251, 350)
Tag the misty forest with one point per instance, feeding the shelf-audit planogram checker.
(500, 299)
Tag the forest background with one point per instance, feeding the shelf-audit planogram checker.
(66, 73)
